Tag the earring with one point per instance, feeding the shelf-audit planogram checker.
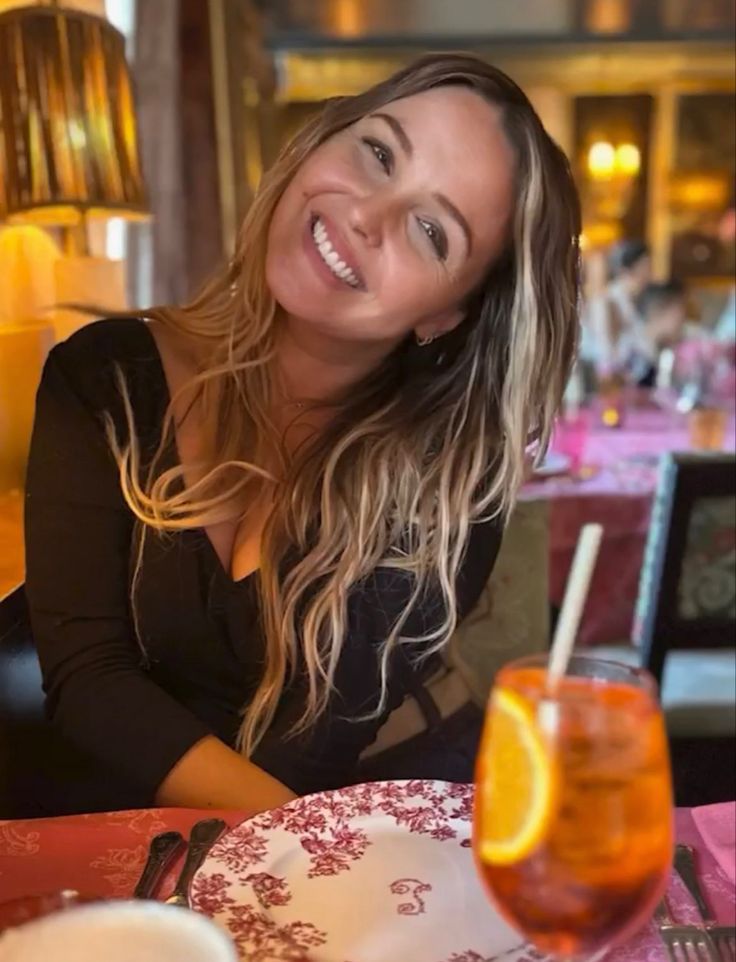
(424, 341)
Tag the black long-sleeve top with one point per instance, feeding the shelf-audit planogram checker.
(137, 713)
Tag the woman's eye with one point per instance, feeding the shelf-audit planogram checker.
(382, 153)
(436, 237)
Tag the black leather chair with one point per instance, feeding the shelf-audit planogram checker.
(24, 731)
(41, 774)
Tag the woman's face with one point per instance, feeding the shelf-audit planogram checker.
(388, 226)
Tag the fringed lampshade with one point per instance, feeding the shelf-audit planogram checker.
(68, 144)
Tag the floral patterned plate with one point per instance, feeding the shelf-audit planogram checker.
(381, 872)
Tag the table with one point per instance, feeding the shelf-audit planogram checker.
(617, 491)
(102, 854)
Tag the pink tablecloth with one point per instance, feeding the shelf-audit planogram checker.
(103, 855)
(619, 496)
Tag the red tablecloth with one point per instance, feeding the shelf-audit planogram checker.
(103, 854)
(619, 496)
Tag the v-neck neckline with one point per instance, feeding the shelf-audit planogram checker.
(175, 461)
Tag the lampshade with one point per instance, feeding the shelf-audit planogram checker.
(68, 143)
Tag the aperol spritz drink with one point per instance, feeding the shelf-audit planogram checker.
(573, 828)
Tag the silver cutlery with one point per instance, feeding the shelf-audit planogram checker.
(162, 851)
(201, 839)
(684, 943)
(723, 936)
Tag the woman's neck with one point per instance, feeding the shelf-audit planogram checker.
(316, 367)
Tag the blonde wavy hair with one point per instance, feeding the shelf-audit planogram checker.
(433, 441)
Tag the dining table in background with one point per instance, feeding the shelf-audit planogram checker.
(102, 855)
(614, 487)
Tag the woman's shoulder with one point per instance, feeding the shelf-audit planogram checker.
(94, 356)
(116, 340)
(92, 364)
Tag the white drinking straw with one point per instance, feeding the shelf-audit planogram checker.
(576, 593)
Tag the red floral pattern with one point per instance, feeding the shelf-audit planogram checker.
(414, 888)
(242, 847)
(15, 842)
(265, 940)
(120, 867)
(330, 829)
(270, 890)
(321, 822)
(211, 893)
(146, 821)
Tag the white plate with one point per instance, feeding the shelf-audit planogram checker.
(554, 463)
(381, 872)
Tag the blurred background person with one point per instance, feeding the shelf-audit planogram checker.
(726, 326)
(614, 315)
(664, 317)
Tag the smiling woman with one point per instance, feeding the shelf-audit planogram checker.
(254, 521)
(382, 199)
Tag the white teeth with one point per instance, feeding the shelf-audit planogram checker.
(330, 256)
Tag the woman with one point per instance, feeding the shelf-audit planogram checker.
(614, 315)
(301, 477)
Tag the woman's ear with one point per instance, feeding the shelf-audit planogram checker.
(431, 328)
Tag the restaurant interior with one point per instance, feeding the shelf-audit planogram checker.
(134, 137)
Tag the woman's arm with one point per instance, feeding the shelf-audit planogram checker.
(78, 541)
(211, 775)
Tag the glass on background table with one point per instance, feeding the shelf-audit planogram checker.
(573, 830)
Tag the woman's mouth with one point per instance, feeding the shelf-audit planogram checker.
(330, 256)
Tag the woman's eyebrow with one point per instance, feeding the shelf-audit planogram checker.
(406, 145)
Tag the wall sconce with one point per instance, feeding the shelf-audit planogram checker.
(610, 172)
(605, 162)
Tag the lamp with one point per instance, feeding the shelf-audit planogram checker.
(68, 152)
(68, 145)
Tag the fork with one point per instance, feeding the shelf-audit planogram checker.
(723, 936)
(684, 943)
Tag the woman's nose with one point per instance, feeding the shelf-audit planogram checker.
(370, 217)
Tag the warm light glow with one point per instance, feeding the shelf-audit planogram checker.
(606, 161)
(95, 7)
(628, 159)
(602, 233)
(28, 257)
(607, 16)
(700, 191)
(347, 18)
(48, 215)
(601, 160)
(610, 417)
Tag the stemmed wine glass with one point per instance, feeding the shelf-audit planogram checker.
(573, 829)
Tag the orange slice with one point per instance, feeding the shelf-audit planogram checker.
(517, 789)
